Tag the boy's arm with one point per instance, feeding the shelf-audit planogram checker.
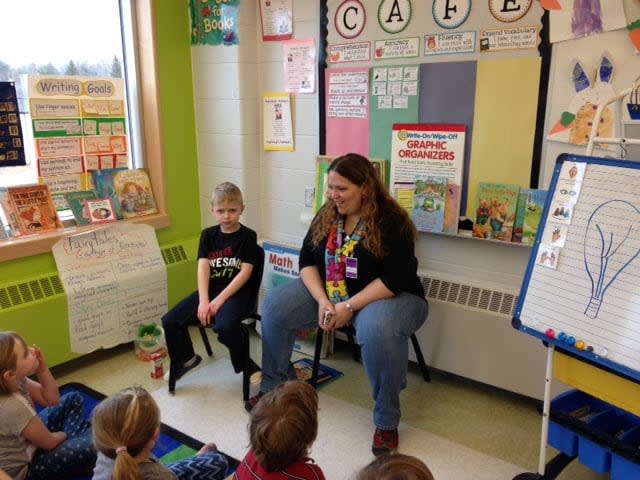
(38, 434)
(204, 273)
(236, 284)
(45, 391)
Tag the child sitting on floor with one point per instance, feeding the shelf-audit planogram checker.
(126, 427)
(395, 467)
(55, 443)
(283, 426)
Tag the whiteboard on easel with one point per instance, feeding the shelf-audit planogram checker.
(581, 287)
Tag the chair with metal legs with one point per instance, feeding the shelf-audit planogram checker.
(350, 332)
(256, 280)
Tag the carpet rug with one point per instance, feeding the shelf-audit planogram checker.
(172, 445)
(208, 406)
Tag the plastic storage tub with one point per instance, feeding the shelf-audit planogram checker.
(569, 412)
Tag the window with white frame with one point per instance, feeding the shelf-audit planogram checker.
(90, 38)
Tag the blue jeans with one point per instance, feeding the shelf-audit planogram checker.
(227, 324)
(76, 452)
(382, 330)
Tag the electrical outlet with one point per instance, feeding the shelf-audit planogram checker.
(309, 196)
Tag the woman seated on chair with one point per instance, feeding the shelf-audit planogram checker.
(357, 266)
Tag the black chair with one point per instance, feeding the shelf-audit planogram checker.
(350, 332)
(254, 285)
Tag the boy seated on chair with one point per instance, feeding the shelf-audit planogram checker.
(227, 256)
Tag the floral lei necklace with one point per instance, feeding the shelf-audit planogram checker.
(339, 248)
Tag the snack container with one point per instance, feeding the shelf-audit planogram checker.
(157, 369)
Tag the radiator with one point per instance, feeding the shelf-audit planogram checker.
(468, 332)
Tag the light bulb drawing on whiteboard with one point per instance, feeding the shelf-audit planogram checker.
(611, 244)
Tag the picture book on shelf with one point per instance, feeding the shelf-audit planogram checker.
(528, 215)
(101, 210)
(78, 206)
(495, 211)
(429, 198)
(33, 208)
(103, 186)
(452, 208)
(134, 193)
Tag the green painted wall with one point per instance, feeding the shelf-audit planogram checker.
(45, 322)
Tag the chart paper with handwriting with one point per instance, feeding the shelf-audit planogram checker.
(115, 280)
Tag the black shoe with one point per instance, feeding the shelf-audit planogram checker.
(253, 401)
(181, 371)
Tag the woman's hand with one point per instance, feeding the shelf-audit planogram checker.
(335, 316)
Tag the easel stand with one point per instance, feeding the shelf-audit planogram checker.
(550, 470)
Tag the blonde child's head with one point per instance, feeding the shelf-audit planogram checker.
(284, 425)
(395, 467)
(8, 357)
(226, 192)
(124, 425)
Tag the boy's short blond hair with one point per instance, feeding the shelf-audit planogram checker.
(226, 192)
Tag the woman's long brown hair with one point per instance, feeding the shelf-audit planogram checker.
(376, 202)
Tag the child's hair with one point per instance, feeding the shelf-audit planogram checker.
(395, 467)
(226, 192)
(284, 425)
(123, 425)
(8, 359)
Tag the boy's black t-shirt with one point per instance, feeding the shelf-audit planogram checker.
(226, 252)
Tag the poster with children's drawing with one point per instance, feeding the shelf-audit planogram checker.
(580, 288)
(592, 86)
(579, 18)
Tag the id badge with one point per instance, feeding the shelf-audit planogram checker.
(351, 270)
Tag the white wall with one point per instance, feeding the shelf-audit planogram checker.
(228, 87)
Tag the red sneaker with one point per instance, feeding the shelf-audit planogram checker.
(253, 401)
(384, 441)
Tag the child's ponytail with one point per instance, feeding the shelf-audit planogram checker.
(123, 426)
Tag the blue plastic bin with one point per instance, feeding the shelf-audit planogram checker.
(621, 467)
(608, 427)
(561, 436)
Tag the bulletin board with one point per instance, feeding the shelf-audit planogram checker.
(475, 65)
(580, 290)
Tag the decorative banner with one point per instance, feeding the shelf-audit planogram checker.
(451, 15)
(448, 43)
(278, 132)
(515, 38)
(350, 52)
(115, 280)
(276, 17)
(299, 65)
(397, 48)
(11, 141)
(350, 19)
(213, 23)
(394, 15)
